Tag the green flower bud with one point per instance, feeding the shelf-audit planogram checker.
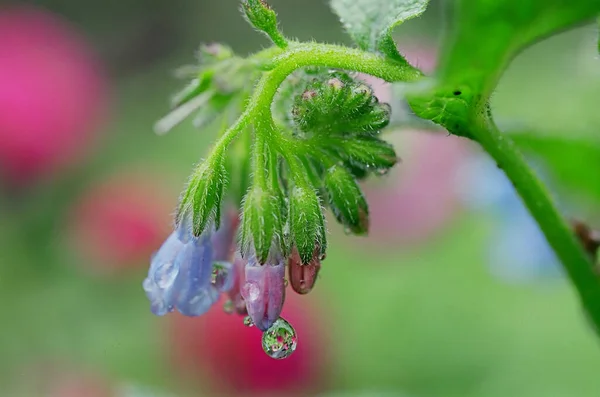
(336, 104)
(261, 226)
(369, 153)
(203, 195)
(307, 224)
(263, 18)
(213, 53)
(346, 200)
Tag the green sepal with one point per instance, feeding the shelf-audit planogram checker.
(346, 200)
(307, 224)
(203, 194)
(261, 224)
(262, 17)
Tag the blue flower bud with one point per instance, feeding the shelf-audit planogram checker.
(264, 291)
(180, 275)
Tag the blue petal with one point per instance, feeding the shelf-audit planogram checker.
(195, 293)
(162, 274)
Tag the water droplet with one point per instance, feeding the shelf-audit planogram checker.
(347, 231)
(251, 291)
(248, 321)
(228, 307)
(280, 340)
(382, 171)
(165, 274)
(323, 256)
(285, 282)
(222, 277)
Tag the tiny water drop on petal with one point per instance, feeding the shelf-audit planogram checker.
(165, 275)
(228, 307)
(248, 321)
(222, 276)
(280, 340)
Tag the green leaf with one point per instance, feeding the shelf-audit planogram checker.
(371, 22)
(307, 225)
(573, 163)
(485, 37)
(489, 33)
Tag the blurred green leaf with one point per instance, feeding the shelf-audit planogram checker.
(371, 22)
(573, 163)
(488, 34)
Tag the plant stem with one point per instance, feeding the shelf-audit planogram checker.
(575, 260)
(314, 54)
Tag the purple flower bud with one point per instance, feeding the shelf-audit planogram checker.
(304, 276)
(264, 292)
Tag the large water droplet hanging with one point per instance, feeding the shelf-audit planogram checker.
(280, 340)
(165, 274)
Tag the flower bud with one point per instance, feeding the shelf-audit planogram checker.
(180, 275)
(263, 18)
(346, 199)
(264, 292)
(369, 153)
(261, 224)
(334, 103)
(202, 197)
(303, 277)
(213, 53)
(307, 225)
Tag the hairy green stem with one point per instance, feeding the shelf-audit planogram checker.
(576, 262)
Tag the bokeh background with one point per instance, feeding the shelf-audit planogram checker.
(453, 294)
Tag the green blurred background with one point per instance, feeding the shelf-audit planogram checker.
(421, 317)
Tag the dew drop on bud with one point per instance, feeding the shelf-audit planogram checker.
(280, 340)
(165, 274)
(228, 307)
(382, 171)
(248, 321)
(286, 282)
(347, 231)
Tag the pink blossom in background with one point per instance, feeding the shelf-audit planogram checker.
(217, 348)
(52, 94)
(418, 196)
(121, 221)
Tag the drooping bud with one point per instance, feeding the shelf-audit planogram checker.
(213, 53)
(263, 18)
(261, 226)
(202, 197)
(369, 153)
(264, 291)
(304, 276)
(307, 225)
(180, 274)
(346, 199)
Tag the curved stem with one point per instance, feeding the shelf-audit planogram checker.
(575, 260)
(314, 54)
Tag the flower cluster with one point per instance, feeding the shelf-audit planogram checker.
(309, 148)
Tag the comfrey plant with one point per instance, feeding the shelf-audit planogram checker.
(299, 131)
